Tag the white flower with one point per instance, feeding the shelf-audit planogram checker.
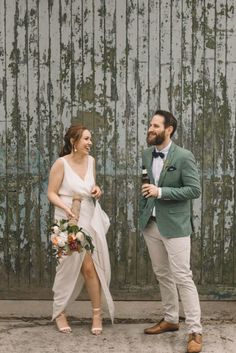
(63, 236)
(80, 236)
(53, 236)
(56, 229)
(61, 243)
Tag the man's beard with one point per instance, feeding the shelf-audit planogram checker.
(154, 139)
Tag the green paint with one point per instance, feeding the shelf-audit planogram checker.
(86, 89)
(66, 56)
(14, 57)
(89, 118)
(199, 98)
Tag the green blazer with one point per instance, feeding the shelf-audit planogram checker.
(179, 182)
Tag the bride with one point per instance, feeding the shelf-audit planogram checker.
(74, 173)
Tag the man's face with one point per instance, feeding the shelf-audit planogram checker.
(156, 132)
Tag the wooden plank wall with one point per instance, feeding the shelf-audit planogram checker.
(110, 64)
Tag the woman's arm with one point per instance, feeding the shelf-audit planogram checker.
(96, 191)
(55, 179)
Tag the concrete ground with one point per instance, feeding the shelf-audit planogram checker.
(25, 327)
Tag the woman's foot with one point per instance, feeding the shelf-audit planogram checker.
(97, 322)
(62, 324)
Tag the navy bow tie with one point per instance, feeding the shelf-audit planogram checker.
(156, 154)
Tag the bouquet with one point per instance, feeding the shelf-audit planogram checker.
(68, 237)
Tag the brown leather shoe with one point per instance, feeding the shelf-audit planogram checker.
(194, 343)
(161, 327)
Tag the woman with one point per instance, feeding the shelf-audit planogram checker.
(74, 173)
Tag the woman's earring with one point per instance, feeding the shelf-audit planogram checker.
(75, 149)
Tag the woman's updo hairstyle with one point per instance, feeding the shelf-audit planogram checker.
(74, 132)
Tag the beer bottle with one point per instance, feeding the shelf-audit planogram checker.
(145, 178)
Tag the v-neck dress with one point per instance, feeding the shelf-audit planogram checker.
(69, 280)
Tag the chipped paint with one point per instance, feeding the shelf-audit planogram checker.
(109, 64)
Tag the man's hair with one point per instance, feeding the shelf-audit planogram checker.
(169, 119)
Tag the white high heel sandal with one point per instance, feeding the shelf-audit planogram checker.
(62, 323)
(97, 314)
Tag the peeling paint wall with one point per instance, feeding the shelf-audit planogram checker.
(110, 64)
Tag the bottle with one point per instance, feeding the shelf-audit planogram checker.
(75, 208)
(145, 178)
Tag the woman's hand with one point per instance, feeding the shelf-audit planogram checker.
(96, 192)
(69, 213)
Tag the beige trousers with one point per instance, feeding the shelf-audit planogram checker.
(170, 259)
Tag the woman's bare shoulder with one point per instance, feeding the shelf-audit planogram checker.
(58, 164)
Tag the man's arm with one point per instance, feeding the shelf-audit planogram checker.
(191, 183)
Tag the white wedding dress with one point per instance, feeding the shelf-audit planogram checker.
(69, 280)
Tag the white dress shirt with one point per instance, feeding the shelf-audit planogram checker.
(157, 165)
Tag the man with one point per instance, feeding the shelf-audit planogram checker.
(165, 219)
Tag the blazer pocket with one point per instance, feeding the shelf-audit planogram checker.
(171, 169)
(177, 211)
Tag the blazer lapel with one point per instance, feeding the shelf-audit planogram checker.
(167, 163)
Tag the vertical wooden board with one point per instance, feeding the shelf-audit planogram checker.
(44, 138)
(77, 62)
(176, 66)
(21, 112)
(226, 86)
(186, 94)
(142, 77)
(154, 56)
(55, 83)
(54, 100)
(3, 209)
(33, 103)
(87, 88)
(72, 78)
(65, 63)
(11, 140)
(230, 217)
(165, 51)
(186, 135)
(22, 223)
(208, 130)
(3, 151)
(198, 128)
(10, 82)
(218, 140)
(44, 100)
(33, 188)
(21, 126)
(142, 83)
(109, 199)
(154, 80)
(2, 63)
(131, 134)
(98, 89)
(229, 268)
(120, 189)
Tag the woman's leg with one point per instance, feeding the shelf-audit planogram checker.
(62, 323)
(93, 287)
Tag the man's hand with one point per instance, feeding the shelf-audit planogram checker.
(149, 190)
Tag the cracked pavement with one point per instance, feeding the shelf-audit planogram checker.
(33, 332)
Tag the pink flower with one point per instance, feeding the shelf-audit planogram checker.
(73, 245)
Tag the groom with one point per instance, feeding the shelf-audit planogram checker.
(165, 219)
